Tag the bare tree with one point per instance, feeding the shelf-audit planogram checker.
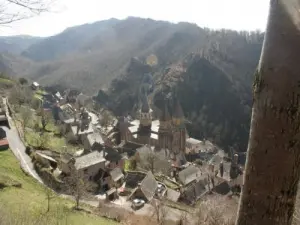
(272, 170)
(50, 194)
(77, 185)
(148, 162)
(15, 10)
(26, 117)
(46, 119)
(105, 120)
(183, 219)
(159, 211)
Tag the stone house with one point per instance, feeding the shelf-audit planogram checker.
(189, 175)
(117, 177)
(193, 145)
(194, 191)
(90, 164)
(146, 189)
(66, 163)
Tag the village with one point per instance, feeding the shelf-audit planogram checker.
(130, 162)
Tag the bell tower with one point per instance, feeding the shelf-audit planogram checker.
(144, 131)
(179, 131)
(165, 129)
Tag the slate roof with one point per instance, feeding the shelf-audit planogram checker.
(88, 160)
(116, 174)
(66, 158)
(173, 195)
(189, 174)
(195, 191)
(193, 141)
(133, 178)
(149, 186)
(95, 138)
(46, 157)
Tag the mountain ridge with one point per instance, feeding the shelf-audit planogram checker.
(214, 66)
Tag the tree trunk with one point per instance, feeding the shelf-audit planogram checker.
(77, 202)
(273, 161)
(48, 205)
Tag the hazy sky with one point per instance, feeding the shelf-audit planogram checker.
(231, 14)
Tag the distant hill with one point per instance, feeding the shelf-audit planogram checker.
(210, 70)
(17, 44)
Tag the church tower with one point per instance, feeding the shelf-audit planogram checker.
(144, 131)
(165, 129)
(179, 131)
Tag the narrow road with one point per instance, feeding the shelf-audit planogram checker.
(18, 148)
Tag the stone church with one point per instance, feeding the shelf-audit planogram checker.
(167, 132)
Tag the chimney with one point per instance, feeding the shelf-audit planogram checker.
(221, 169)
(103, 151)
(235, 158)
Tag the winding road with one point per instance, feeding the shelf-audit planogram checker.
(17, 146)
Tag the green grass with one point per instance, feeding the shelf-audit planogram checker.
(29, 202)
(52, 142)
(7, 81)
(38, 96)
(41, 92)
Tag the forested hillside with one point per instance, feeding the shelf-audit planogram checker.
(210, 70)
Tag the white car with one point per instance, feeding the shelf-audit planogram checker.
(137, 203)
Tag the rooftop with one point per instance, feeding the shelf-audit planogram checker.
(193, 141)
(95, 138)
(88, 160)
(189, 174)
(149, 186)
(116, 174)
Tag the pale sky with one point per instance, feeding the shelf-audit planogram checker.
(230, 14)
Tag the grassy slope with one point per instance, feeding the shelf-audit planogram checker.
(31, 199)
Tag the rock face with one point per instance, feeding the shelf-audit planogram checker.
(214, 106)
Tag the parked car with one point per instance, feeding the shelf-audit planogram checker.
(137, 203)
(160, 188)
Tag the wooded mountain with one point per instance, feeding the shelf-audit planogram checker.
(210, 70)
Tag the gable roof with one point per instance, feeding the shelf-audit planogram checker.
(88, 160)
(189, 174)
(95, 138)
(66, 157)
(149, 186)
(193, 141)
(116, 174)
(195, 191)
